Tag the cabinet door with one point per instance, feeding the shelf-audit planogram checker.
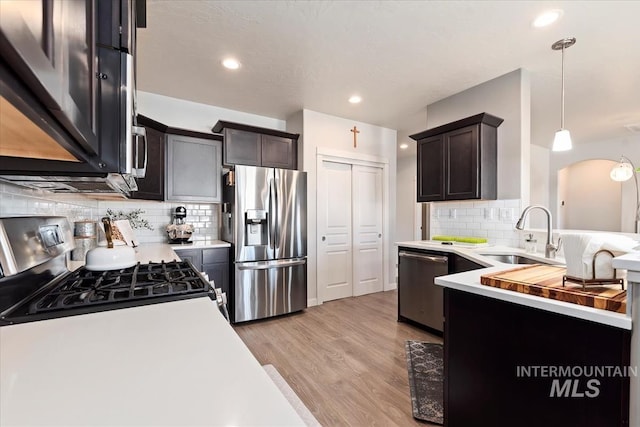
(31, 43)
(51, 45)
(194, 169)
(215, 262)
(109, 104)
(462, 167)
(279, 152)
(431, 169)
(151, 187)
(242, 148)
(192, 255)
(80, 84)
(219, 273)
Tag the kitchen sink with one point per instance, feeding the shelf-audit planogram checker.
(513, 259)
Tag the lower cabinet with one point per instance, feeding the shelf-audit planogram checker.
(212, 261)
(504, 365)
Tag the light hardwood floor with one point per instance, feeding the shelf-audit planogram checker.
(345, 359)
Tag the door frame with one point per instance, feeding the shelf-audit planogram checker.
(339, 156)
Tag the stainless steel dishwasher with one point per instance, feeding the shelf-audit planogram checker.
(419, 299)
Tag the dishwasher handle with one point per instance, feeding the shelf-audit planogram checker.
(423, 257)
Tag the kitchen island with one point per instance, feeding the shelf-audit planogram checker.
(517, 359)
(173, 363)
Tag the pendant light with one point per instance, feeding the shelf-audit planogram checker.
(562, 140)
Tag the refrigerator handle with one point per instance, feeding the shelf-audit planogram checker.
(272, 215)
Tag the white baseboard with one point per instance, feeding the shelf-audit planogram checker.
(312, 301)
(390, 286)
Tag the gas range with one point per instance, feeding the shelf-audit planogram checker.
(35, 284)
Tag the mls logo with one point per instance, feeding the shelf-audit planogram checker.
(571, 388)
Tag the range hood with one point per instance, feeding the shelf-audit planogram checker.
(108, 184)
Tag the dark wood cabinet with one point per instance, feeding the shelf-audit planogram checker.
(183, 165)
(278, 152)
(492, 347)
(51, 45)
(255, 146)
(458, 161)
(151, 187)
(212, 261)
(61, 67)
(431, 168)
(241, 148)
(215, 262)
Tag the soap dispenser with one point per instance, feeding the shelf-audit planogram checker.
(530, 244)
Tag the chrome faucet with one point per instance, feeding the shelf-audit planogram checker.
(550, 248)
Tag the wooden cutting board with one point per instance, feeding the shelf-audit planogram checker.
(546, 281)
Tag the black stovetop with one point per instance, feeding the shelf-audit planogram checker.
(84, 291)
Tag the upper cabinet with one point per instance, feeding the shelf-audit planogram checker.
(151, 187)
(66, 71)
(256, 146)
(183, 165)
(458, 161)
(194, 172)
(51, 46)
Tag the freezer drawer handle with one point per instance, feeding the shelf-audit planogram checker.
(270, 264)
(431, 258)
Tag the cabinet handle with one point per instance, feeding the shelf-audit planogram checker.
(101, 76)
(430, 258)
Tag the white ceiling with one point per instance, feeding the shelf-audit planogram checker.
(399, 56)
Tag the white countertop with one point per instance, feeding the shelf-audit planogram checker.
(177, 363)
(470, 282)
(474, 253)
(202, 244)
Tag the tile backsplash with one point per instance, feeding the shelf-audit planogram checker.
(492, 219)
(16, 200)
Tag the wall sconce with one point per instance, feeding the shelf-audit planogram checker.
(562, 140)
(623, 171)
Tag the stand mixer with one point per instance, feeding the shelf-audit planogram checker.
(179, 231)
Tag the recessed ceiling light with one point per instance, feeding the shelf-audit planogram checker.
(547, 18)
(231, 64)
(355, 99)
(404, 146)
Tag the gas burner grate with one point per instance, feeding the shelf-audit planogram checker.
(84, 288)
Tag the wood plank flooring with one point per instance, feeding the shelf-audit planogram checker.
(345, 359)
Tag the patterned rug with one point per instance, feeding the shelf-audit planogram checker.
(426, 380)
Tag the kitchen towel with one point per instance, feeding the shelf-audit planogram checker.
(581, 248)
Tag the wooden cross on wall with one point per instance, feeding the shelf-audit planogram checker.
(355, 136)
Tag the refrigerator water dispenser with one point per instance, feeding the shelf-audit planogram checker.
(256, 228)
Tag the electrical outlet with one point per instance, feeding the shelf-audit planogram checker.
(453, 213)
(506, 214)
(489, 213)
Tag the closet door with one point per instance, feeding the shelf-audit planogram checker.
(335, 272)
(367, 207)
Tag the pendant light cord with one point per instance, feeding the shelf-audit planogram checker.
(562, 96)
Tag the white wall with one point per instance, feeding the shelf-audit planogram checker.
(194, 116)
(539, 168)
(609, 150)
(323, 131)
(591, 200)
(405, 198)
(507, 97)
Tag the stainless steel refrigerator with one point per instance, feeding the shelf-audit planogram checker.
(264, 217)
